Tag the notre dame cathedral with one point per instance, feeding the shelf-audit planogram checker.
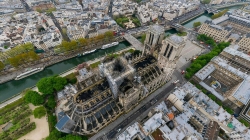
(118, 84)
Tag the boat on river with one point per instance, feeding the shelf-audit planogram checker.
(87, 52)
(28, 73)
(110, 45)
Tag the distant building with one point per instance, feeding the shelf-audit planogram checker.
(244, 44)
(40, 4)
(218, 33)
(212, 131)
(226, 77)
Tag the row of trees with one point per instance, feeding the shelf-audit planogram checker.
(82, 42)
(49, 85)
(23, 48)
(19, 55)
(206, 39)
(24, 58)
(202, 60)
(219, 14)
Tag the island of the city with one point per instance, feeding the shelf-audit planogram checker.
(125, 70)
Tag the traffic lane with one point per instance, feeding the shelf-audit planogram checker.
(133, 116)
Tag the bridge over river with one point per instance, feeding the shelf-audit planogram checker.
(133, 41)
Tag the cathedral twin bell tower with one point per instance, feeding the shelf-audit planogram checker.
(167, 51)
(153, 40)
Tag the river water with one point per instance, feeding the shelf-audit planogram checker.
(13, 87)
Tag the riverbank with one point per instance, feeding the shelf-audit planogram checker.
(63, 74)
(46, 62)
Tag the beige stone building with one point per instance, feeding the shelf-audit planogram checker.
(244, 44)
(227, 77)
(218, 33)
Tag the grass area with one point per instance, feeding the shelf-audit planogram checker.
(244, 122)
(157, 134)
(94, 65)
(182, 33)
(71, 78)
(39, 112)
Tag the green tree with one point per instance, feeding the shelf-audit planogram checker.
(54, 135)
(51, 103)
(59, 83)
(109, 34)
(39, 112)
(83, 41)
(33, 56)
(48, 85)
(196, 24)
(221, 13)
(14, 62)
(143, 37)
(45, 85)
(33, 97)
(1, 65)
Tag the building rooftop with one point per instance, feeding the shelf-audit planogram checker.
(220, 19)
(153, 123)
(243, 91)
(176, 39)
(205, 71)
(131, 132)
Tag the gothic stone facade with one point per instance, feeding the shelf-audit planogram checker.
(118, 85)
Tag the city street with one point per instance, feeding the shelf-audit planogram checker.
(141, 110)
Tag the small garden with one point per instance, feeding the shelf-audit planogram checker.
(122, 19)
(15, 119)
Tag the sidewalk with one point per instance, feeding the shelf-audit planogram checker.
(121, 118)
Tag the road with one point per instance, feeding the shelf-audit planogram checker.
(65, 37)
(146, 106)
(26, 6)
(110, 9)
(131, 118)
